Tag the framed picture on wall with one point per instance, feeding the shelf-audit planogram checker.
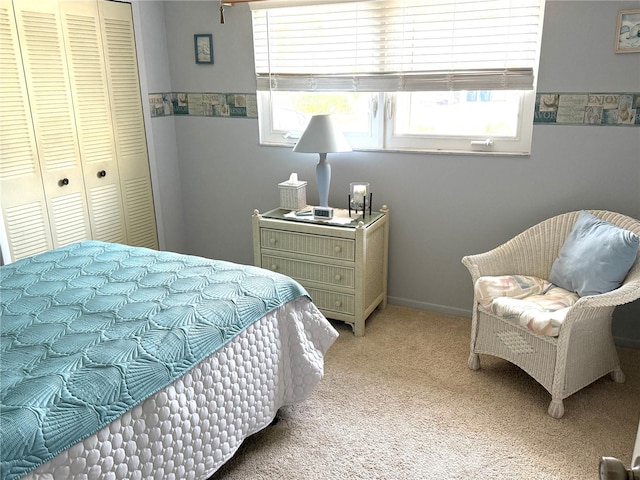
(203, 45)
(628, 32)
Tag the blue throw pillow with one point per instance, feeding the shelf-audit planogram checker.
(595, 258)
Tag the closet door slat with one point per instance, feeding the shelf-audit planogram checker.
(24, 211)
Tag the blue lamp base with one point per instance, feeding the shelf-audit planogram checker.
(323, 175)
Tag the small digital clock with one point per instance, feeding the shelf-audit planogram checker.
(322, 213)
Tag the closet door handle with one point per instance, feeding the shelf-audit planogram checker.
(102, 173)
(63, 182)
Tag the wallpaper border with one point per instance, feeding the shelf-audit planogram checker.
(592, 109)
(238, 105)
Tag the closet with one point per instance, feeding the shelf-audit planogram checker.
(73, 153)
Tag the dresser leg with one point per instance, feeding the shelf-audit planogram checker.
(358, 328)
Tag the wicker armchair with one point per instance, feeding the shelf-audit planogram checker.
(584, 349)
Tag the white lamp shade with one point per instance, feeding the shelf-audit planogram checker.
(322, 136)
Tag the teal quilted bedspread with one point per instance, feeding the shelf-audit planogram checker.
(92, 329)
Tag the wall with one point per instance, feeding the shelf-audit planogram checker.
(442, 206)
(153, 61)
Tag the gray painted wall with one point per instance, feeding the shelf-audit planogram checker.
(212, 173)
(153, 61)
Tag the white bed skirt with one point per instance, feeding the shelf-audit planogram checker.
(192, 427)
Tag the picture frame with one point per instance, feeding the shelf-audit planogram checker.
(628, 31)
(203, 47)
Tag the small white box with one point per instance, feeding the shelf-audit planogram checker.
(293, 195)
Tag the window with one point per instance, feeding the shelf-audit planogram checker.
(428, 75)
(284, 114)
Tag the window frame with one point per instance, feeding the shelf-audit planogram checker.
(383, 138)
(520, 144)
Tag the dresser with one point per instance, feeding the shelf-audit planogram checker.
(343, 266)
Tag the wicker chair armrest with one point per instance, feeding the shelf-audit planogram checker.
(481, 264)
(497, 261)
(626, 293)
(509, 258)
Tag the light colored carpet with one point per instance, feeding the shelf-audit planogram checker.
(400, 403)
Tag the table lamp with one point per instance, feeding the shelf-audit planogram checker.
(321, 136)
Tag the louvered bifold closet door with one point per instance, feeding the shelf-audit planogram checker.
(24, 209)
(126, 108)
(44, 59)
(87, 73)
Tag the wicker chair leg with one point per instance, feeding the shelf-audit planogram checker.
(556, 409)
(474, 361)
(618, 375)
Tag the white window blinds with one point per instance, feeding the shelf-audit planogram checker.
(403, 45)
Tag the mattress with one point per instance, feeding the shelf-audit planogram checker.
(191, 426)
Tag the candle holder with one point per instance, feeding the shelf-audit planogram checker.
(358, 193)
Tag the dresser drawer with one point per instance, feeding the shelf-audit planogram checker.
(311, 271)
(308, 244)
(332, 301)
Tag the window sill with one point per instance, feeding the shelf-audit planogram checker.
(418, 151)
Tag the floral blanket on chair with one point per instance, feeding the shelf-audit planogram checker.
(528, 301)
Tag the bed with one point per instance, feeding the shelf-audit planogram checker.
(123, 362)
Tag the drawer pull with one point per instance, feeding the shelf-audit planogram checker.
(337, 249)
(272, 241)
(338, 304)
(337, 277)
(274, 267)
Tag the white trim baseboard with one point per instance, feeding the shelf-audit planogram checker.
(432, 307)
(627, 342)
